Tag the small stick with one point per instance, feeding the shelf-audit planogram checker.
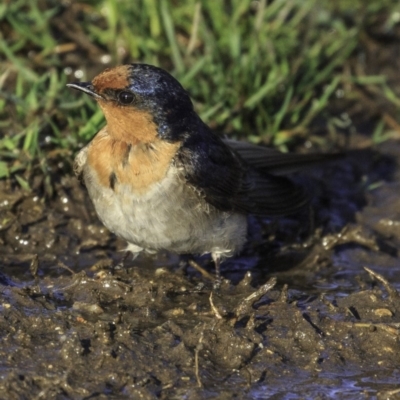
(389, 288)
(196, 359)
(213, 308)
(248, 301)
(200, 269)
(283, 296)
(390, 393)
(64, 266)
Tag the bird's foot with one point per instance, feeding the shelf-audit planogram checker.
(121, 263)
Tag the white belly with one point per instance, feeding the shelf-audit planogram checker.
(170, 216)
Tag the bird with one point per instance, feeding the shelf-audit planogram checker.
(161, 179)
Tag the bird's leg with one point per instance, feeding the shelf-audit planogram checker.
(217, 261)
(130, 249)
(121, 264)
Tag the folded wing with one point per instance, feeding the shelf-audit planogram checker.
(235, 178)
(273, 161)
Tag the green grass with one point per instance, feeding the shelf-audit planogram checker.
(267, 70)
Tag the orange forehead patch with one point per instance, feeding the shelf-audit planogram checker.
(112, 78)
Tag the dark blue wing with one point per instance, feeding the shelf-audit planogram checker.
(230, 183)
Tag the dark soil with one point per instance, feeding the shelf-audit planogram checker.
(74, 327)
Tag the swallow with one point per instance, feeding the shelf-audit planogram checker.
(161, 179)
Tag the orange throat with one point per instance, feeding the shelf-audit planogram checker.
(128, 124)
(138, 162)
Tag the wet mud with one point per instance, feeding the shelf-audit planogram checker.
(310, 309)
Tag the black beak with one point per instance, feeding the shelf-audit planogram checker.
(85, 87)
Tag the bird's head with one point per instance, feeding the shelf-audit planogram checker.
(141, 103)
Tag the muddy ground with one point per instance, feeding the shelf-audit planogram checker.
(74, 327)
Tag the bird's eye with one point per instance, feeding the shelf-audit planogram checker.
(126, 97)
